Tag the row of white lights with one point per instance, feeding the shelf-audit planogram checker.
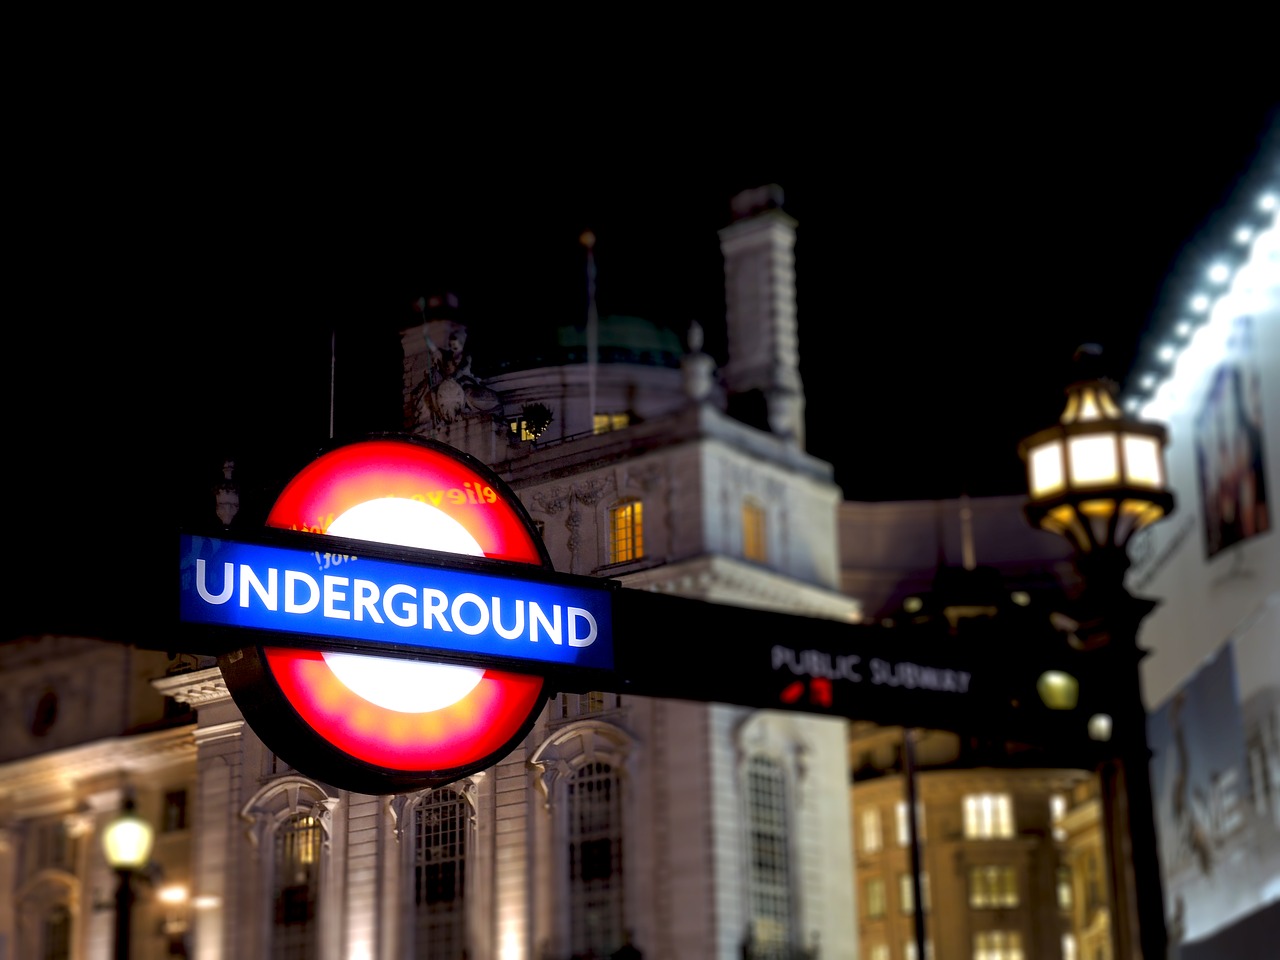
(1246, 239)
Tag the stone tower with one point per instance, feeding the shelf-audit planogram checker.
(760, 308)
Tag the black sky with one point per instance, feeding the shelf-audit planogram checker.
(949, 262)
(951, 256)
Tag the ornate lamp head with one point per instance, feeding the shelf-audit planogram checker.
(1096, 477)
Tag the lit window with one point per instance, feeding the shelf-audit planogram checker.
(909, 951)
(769, 862)
(521, 430)
(872, 840)
(875, 898)
(596, 921)
(606, 422)
(581, 704)
(880, 951)
(906, 893)
(753, 539)
(297, 883)
(626, 531)
(442, 832)
(1094, 897)
(1057, 812)
(988, 815)
(993, 886)
(997, 945)
(904, 825)
(1069, 951)
(1065, 896)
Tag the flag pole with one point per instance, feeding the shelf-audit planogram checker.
(588, 240)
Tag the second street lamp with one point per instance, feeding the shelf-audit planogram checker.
(127, 845)
(1097, 477)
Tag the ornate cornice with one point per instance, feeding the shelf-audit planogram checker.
(196, 689)
(727, 580)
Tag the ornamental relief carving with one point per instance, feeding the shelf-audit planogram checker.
(467, 789)
(645, 476)
(282, 799)
(568, 499)
(575, 745)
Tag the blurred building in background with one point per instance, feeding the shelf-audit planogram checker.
(622, 826)
(629, 826)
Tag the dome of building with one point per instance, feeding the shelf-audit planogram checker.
(621, 339)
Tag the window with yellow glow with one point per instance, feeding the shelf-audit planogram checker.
(993, 885)
(626, 531)
(606, 422)
(753, 532)
(520, 429)
(997, 945)
(907, 892)
(872, 838)
(988, 816)
(875, 898)
(1065, 892)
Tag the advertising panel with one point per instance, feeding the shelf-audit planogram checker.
(1230, 459)
(1216, 786)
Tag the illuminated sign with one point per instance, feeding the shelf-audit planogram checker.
(395, 605)
(374, 723)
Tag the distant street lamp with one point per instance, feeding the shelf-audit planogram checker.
(1097, 477)
(127, 844)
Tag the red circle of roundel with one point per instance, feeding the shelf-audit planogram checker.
(414, 470)
(463, 733)
(469, 733)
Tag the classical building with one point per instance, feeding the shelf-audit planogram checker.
(621, 826)
(1006, 857)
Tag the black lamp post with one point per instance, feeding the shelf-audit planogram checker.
(1097, 477)
(127, 844)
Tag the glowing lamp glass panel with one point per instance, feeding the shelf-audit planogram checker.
(1142, 461)
(127, 842)
(1047, 475)
(1089, 409)
(1093, 460)
(1100, 727)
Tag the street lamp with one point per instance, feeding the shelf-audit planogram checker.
(1097, 477)
(127, 844)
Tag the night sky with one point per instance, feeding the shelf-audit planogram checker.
(950, 259)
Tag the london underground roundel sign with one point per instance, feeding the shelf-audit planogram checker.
(384, 724)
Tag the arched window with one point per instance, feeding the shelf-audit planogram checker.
(769, 859)
(298, 843)
(596, 922)
(626, 531)
(442, 838)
